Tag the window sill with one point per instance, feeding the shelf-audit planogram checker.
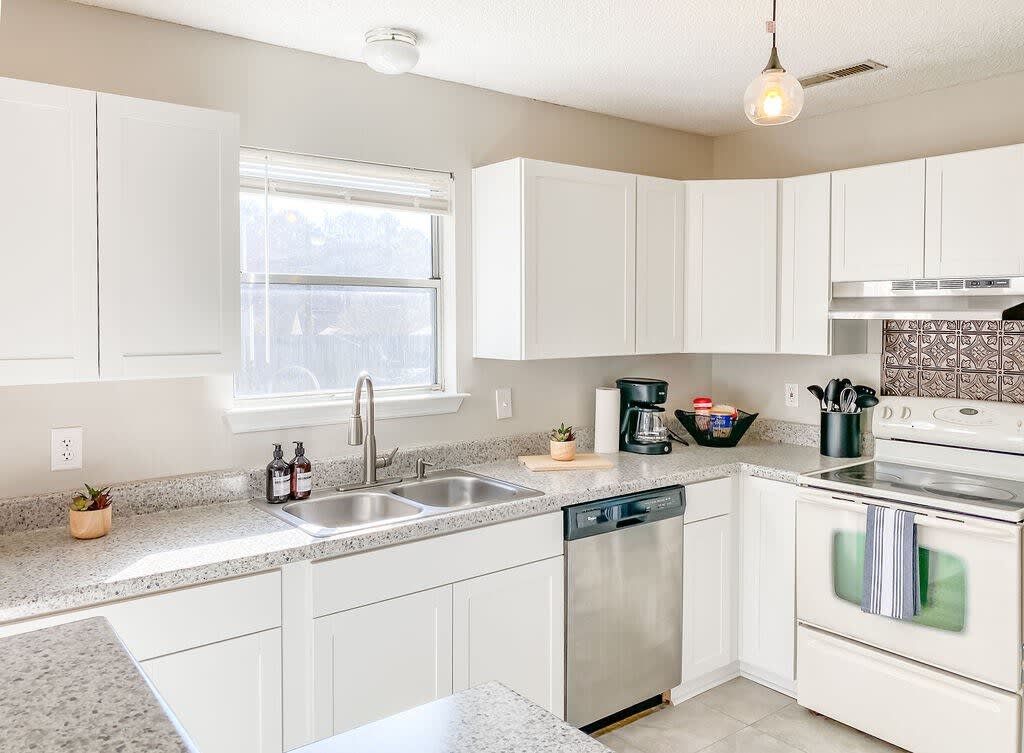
(244, 418)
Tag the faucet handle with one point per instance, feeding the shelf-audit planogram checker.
(421, 467)
(383, 461)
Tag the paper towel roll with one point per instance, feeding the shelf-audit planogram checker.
(606, 420)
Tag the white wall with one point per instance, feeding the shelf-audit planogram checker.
(970, 116)
(308, 103)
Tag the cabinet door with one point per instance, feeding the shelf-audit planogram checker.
(660, 209)
(580, 261)
(730, 266)
(509, 627)
(878, 222)
(226, 695)
(709, 637)
(804, 289)
(971, 221)
(380, 659)
(768, 580)
(168, 228)
(47, 233)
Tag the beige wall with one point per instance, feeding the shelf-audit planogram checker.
(308, 103)
(970, 116)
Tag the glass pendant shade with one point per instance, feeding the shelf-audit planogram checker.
(774, 97)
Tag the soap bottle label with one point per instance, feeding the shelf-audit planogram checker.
(282, 485)
(303, 481)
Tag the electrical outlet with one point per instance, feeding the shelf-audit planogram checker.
(792, 398)
(66, 448)
(503, 402)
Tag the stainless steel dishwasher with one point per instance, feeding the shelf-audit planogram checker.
(624, 602)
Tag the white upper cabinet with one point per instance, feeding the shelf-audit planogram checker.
(877, 222)
(974, 202)
(554, 260)
(47, 233)
(660, 239)
(168, 224)
(804, 286)
(730, 266)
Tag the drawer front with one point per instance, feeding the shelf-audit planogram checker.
(359, 579)
(909, 704)
(709, 499)
(165, 623)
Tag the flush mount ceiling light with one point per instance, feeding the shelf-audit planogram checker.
(775, 96)
(391, 51)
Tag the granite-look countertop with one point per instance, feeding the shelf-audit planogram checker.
(155, 552)
(74, 687)
(489, 718)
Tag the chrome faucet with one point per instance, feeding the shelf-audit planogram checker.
(371, 460)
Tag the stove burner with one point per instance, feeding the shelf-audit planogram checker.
(961, 490)
(867, 474)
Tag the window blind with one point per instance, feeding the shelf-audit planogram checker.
(344, 181)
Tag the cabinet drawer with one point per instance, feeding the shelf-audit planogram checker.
(349, 582)
(173, 621)
(709, 499)
(908, 704)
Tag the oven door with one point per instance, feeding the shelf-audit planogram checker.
(970, 621)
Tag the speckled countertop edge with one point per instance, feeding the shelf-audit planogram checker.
(46, 571)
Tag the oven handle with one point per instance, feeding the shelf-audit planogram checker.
(949, 522)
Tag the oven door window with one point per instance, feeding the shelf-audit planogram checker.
(943, 581)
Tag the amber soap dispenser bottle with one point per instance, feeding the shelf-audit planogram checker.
(279, 477)
(302, 473)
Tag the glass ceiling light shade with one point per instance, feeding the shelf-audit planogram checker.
(391, 51)
(775, 96)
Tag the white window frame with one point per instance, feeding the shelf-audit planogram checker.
(251, 414)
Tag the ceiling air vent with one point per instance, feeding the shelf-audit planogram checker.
(851, 70)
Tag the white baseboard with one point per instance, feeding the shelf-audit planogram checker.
(697, 686)
(768, 679)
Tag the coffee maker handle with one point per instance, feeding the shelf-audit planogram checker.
(625, 418)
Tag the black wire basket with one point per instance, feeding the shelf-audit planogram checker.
(742, 422)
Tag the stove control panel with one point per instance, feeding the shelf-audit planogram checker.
(956, 423)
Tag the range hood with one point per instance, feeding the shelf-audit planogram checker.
(991, 298)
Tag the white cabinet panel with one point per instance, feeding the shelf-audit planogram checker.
(168, 228)
(974, 203)
(47, 233)
(660, 212)
(767, 546)
(226, 695)
(804, 287)
(380, 659)
(709, 638)
(730, 266)
(509, 627)
(878, 222)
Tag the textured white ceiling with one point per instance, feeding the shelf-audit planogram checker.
(677, 63)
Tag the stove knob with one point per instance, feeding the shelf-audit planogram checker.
(887, 412)
(905, 413)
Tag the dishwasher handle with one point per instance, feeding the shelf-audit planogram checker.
(632, 520)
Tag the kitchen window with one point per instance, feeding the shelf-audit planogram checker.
(340, 273)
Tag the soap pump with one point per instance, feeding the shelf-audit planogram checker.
(279, 477)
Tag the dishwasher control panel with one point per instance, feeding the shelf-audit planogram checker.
(591, 518)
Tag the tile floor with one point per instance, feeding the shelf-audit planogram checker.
(739, 717)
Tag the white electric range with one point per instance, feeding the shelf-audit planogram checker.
(950, 679)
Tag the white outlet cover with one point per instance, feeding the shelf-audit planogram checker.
(503, 402)
(66, 448)
(792, 395)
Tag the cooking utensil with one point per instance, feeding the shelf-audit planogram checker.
(866, 401)
(832, 392)
(863, 389)
(819, 393)
(848, 400)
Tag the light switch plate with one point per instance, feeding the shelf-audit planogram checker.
(792, 398)
(503, 402)
(66, 448)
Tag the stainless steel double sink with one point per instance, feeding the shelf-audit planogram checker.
(327, 513)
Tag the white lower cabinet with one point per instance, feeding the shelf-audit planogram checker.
(227, 695)
(767, 636)
(380, 659)
(510, 627)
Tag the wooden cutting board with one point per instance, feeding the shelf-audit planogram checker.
(581, 462)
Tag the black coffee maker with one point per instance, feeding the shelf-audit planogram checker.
(641, 428)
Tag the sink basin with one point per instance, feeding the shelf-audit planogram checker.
(325, 514)
(458, 489)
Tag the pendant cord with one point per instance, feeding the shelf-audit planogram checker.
(773, 22)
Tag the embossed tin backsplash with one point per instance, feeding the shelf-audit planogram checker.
(973, 360)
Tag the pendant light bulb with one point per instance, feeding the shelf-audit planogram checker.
(774, 97)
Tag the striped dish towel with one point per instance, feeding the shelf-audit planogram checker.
(891, 576)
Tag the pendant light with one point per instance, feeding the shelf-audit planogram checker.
(775, 96)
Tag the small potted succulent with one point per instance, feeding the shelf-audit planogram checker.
(563, 443)
(90, 513)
